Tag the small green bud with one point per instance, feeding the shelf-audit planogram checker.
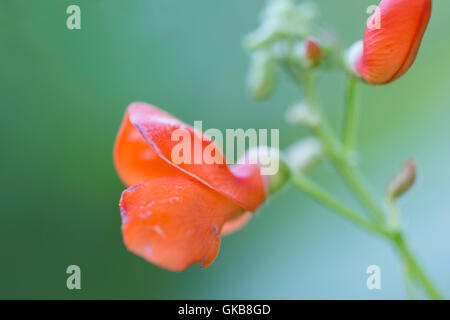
(263, 36)
(306, 11)
(302, 114)
(278, 9)
(352, 55)
(278, 180)
(281, 49)
(282, 19)
(331, 48)
(304, 153)
(262, 75)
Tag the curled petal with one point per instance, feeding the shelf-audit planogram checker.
(175, 221)
(163, 133)
(392, 39)
(134, 160)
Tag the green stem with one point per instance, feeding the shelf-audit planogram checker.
(414, 267)
(338, 153)
(394, 219)
(408, 279)
(332, 146)
(351, 116)
(319, 194)
(360, 187)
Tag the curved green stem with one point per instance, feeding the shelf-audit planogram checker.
(360, 187)
(351, 116)
(339, 154)
(414, 268)
(322, 196)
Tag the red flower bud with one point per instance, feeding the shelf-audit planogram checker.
(392, 39)
(313, 52)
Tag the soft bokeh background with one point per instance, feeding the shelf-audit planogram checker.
(62, 97)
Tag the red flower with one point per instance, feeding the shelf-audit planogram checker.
(392, 39)
(174, 214)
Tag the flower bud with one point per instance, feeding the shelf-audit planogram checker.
(307, 53)
(304, 153)
(281, 49)
(331, 49)
(282, 19)
(301, 113)
(403, 181)
(262, 75)
(392, 39)
(313, 52)
(352, 55)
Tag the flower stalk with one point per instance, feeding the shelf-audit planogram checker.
(337, 154)
(312, 189)
(351, 116)
(285, 25)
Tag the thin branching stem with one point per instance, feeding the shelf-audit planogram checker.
(327, 199)
(338, 151)
(351, 115)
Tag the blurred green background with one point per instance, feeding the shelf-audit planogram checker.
(62, 97)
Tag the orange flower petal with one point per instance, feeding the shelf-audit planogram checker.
(175, 221)
(242, 183)
(389, 51)
(134, 160)
(236, 224)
